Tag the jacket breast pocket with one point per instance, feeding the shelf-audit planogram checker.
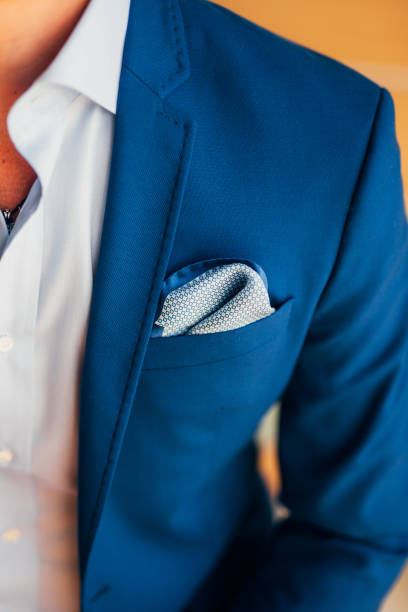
(199, 349)
(195, 390)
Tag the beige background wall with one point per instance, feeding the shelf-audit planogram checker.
(372, 37)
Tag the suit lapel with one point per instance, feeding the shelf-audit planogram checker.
(149, 167)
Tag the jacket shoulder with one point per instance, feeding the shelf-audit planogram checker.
(289, 125)
(248, 50)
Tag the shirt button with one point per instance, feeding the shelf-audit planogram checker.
(5, 456)
(11, 535)
(6, 343)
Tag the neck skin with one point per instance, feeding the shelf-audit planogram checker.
(31, 34)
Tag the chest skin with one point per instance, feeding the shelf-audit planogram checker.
(16, 175)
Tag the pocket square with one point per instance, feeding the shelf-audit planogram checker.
(212, 296)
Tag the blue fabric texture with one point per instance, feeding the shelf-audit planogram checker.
(232, 143)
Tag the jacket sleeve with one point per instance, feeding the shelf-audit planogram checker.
(343, 439)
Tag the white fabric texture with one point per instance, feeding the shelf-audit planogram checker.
(63, 126)
(221, 299)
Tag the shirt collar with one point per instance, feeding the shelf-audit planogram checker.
(91, 59)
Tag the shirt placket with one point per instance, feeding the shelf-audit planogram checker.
(20, 273)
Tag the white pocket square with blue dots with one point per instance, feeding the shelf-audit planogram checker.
(210, 296)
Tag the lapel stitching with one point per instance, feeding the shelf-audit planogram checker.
(180, 48)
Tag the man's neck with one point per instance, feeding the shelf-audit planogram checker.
(31, 34)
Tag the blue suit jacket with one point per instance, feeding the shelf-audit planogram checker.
(232, 142)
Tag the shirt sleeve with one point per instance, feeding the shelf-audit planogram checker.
(343, 439)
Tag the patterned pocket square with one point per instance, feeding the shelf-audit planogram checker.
(212, 296)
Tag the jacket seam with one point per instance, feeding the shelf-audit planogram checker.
(350, 207)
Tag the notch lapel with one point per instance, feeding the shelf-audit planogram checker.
(149, 166)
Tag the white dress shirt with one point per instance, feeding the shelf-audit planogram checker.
(63, 126)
